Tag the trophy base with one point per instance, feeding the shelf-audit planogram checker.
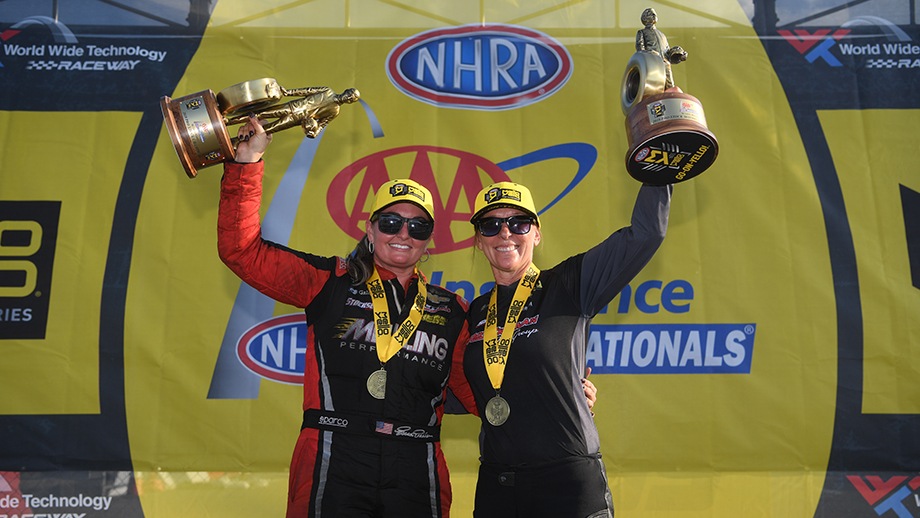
(197, 130)
(668, 139)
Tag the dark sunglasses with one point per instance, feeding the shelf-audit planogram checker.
(419, 228)
(489, 227)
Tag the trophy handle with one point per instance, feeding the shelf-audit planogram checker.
(248, 96)
(645, 76)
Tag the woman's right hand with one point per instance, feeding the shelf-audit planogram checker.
(253, 141)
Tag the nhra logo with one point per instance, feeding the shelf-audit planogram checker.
(275, 349)
(479, 67)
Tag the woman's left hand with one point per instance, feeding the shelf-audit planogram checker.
(253, 141)
(590, 390)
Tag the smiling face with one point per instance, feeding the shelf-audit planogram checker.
(398, 253)
(509, 254)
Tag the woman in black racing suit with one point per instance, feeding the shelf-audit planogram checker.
(540, 451)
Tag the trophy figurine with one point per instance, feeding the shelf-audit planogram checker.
(665, 127)
(197, 123)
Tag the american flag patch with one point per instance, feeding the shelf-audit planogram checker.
(384, 427)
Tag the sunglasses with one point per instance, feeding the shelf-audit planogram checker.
(419, 228)
(519, 225)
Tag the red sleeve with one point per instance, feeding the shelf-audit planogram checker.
(275, 271)
(457, 381)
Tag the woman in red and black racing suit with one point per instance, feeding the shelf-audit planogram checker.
(368, 447)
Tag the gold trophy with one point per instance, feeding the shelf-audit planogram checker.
(197, 123)
(665, 127)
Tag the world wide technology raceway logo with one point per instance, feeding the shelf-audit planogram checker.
(46, 65)
(867, 42)
(64, 52)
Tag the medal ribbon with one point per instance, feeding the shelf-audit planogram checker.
(387, 342)
(495, 348)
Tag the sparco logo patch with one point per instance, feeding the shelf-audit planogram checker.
(479, 67)
(333, 421)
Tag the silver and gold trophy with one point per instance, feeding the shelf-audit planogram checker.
(669, 141)
(197, 123)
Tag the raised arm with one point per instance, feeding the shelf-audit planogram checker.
(283, 274)
(611, 265)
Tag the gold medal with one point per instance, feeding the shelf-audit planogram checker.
(388, 343)
(377, 384)
(497, 411)
(495, 347)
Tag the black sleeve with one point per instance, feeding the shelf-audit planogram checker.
(612, 264)
(452, 404)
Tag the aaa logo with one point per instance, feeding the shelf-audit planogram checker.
(425, 165)
(454, 178)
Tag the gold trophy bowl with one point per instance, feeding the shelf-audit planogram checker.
(197, 123)
(197, 131)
